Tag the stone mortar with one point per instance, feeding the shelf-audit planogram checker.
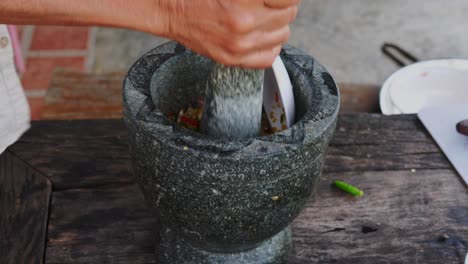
(224, 200)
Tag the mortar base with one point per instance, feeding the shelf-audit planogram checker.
(173, 249)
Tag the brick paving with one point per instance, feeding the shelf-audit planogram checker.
(48, 48)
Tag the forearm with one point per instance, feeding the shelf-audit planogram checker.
(246, 33)
(115, 13)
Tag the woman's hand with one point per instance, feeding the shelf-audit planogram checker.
(246, 33)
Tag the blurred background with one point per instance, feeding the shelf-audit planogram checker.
(345, 36)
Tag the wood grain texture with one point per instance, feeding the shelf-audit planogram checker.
(415, 207)
(359, 98)
(77, 154)
(101, 225)
(24, 205)
(374, 142)
(74, 95)
(400, 219)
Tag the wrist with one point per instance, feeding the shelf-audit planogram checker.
(160, 17)
(142, 15)
(151, 16)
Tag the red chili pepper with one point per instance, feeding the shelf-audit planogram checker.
(200, 102)
(189, 121)
(170, 115)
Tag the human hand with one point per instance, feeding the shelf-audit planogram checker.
(244, 33)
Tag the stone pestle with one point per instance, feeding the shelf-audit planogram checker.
(233, 102)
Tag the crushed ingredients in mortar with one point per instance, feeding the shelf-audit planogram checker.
(190, 118)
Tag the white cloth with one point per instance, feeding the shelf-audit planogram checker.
(14, 108)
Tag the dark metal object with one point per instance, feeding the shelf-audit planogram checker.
(462, 127)
(398, 54)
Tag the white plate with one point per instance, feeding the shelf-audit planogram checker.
(423, 84)
(278, 97)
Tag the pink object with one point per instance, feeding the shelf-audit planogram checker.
(19, 60)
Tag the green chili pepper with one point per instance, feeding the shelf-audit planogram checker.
(348, 188)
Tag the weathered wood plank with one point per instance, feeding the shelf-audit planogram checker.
(74, 95)
(365, 121)
(400, 219)
(392, 156)
(359, 98)
(101, 225)
(402, 213)
(24, 204)
(366, 129)
(75, 129)
(366, 142)
(77, 154)
(94, 152)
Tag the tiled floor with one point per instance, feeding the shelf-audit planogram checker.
(47, 48)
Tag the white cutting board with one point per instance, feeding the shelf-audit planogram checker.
(441, 122)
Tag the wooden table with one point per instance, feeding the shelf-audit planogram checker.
(68, 196)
